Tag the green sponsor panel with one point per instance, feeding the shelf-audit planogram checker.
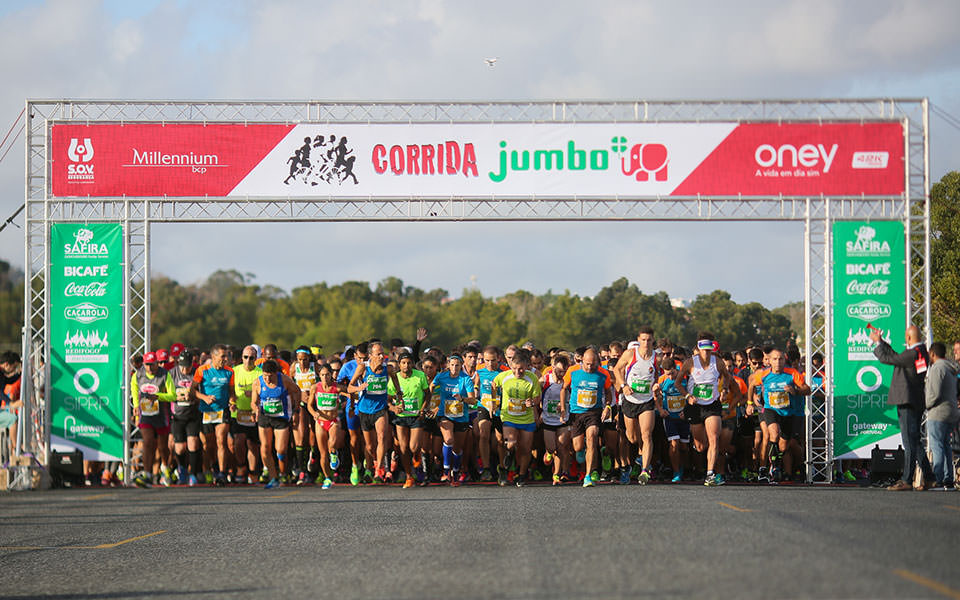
(869, 287)
(86, 339)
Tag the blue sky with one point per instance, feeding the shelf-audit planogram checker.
(433, 50)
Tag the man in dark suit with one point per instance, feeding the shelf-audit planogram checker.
(906, 393)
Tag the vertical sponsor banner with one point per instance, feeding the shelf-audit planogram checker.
(86, 339)
(869, 288)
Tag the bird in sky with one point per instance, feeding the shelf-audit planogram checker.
(491, 62)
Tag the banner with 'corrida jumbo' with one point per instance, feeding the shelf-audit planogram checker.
(869, 289)
(86, 339)
(469, 159)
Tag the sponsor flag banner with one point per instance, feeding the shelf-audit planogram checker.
(869, 290)
(379, 160)
(86, 339)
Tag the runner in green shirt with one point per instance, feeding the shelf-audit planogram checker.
(416, 395)
(519, 391)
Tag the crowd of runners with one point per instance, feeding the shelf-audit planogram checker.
(375, 413)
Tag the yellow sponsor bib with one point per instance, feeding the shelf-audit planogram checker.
(586, 398)
(212, 418)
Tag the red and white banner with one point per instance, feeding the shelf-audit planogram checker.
(468, 159)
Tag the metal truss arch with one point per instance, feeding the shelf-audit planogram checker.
(138, 214)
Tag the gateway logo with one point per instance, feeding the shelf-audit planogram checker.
(868, 310)
(86, 313)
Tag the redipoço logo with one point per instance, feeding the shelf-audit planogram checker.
(322, 160)
(86, 347)
(80, 155)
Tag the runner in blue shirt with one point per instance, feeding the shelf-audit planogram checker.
(455, 390)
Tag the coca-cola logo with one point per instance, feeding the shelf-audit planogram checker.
(877, 287)
(86, 290)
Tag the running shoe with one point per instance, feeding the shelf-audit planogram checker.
(644, 477)
(367, 476)
(537, 475)
(327, 484)
(208, 477)
(556, 480)
(191, 480)
(165, 479)
(624, 477)
(849, 476)
(302, 479)
(711, 481)
(354, 475)
(409, 482)
(380, 475)
(181, 475)
(547, 458)
(587, 480)
(463, 477)
(606, 462)
(501, 476)
(264, 476)
(677, 477)
(220, 480)
(273, 483)
(520, 480)
(638, 461)
(142, 481)
(251, 480)
(594, 477)
(334, 461)
(486, 475)
(454, 480)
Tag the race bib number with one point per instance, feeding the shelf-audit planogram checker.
(376, 385)
(326, 401)
(272, 407)
(454, 408)
(779, 399)
(149, 408)
(586, 398)
(411, 405)
(211, 418)
(674, 403)
(486, 401)
(515, 407)
(641, 386)
(553, 408)
(245, 417)
(183, 397)
(703, 391)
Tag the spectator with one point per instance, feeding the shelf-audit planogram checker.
(906, 393)
(942, 413)
(9, 395)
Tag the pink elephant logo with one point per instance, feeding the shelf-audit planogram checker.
(644, 160)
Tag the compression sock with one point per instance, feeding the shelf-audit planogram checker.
(196, 462)
(301, 458)
(456, 460)
(447, 452)
(182, 459)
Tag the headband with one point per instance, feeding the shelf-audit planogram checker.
(705, 345)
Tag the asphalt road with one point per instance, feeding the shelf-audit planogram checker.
(658, 541)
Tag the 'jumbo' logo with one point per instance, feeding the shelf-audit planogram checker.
(646, 159)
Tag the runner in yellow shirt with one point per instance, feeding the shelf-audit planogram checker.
(246, 438)
(519, 390)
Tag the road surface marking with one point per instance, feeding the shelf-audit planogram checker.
(736, 508)
(928, 583)
(98, 547)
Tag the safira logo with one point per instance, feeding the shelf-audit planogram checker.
(322, 160)
(865, 245)
(80, 155)
(84, 245)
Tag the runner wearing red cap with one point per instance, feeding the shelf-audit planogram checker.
(151, 389)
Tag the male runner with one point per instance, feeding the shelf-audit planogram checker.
(272, 398)
(519, 390)
(213, 385)
(186, 423)
(246, 438)
(636, 374)
(587, 391)
(371, 383)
